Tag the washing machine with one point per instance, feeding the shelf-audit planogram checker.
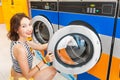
(85, 40)
(44, 19)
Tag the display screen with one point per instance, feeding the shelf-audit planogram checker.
(107, 8)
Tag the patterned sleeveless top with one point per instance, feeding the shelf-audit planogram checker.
(16, 66)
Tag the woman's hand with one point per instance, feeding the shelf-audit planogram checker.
(49, 57)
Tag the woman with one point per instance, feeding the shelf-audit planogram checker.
(21, 54)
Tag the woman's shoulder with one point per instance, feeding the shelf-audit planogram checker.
(19, 50)
(18, 45)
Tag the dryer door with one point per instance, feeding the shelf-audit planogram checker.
(76, 48)
(42, 29)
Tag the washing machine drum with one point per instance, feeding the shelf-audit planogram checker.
(42, 29)
(76, 48)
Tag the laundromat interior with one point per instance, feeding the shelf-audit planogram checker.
(83, 36)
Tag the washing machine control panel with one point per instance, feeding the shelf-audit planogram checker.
(103, 9)
(95, 8)
(44, 5)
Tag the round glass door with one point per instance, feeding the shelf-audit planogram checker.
(76, 48)
(42, 29)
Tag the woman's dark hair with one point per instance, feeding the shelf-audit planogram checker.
(14, 26)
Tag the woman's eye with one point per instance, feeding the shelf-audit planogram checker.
(23, 26)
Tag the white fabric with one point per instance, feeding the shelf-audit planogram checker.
(66, 41)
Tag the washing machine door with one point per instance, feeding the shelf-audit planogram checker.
(42, 29)
(76, 48)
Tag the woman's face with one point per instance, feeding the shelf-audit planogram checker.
(25, 29)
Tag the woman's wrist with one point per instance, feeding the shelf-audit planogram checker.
(38, 67)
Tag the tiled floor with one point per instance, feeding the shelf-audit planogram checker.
(5, 61)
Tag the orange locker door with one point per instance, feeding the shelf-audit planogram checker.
(1, 15)
(10, 7)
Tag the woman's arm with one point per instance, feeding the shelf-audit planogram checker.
(37, 46)
(21, 56)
